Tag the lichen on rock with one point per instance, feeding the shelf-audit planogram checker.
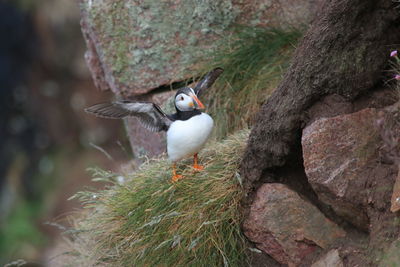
(145, 44)
(139, 42)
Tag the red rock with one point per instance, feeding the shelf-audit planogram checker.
(341, 160)
(287, 227)
(396, 195)
(389, 129)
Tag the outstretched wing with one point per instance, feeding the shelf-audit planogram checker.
(208, 80)
(149, 114)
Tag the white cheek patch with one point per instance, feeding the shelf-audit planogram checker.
(184, 105)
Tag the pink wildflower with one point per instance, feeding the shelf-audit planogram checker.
(393, 53)
(397, 77)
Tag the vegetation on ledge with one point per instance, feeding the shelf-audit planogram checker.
(145, 220)
(254, 61)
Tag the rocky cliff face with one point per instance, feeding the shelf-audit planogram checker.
(341, 210)
(351, 162)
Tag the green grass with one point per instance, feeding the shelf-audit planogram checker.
(19, 231)
(148, 221)
(21, 235)
(254, 60)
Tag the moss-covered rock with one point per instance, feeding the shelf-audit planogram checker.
(141, 45)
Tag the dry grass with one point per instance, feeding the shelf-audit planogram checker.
(147, 221)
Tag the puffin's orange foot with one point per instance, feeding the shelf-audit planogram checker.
(176, 177)
(197, 167)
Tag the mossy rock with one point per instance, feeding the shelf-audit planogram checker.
(144, 44)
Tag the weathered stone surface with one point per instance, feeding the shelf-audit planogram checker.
(136, 46)
(336, 154)
(388, 125)
(341, 160)
(287, 227)
(396, 195)
(330, 259)
(93, 61)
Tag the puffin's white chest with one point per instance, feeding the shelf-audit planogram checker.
(186, 138)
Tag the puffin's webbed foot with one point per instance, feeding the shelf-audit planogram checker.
(175, 176)
(196, 166)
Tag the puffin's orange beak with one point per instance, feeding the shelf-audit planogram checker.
(197, 102)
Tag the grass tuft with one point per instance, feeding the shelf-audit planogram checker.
(254, 61)
(147, 221)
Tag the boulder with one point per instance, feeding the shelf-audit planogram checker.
(389, 128)
(396, 195)
(287, 227)
(342, 160)
(136, 46)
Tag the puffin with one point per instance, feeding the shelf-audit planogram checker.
(188, 129)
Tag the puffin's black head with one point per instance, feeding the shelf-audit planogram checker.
(186, 100)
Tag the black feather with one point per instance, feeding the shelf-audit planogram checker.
(149, 114)
(208, 80)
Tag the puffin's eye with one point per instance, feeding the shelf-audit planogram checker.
(181, 98)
